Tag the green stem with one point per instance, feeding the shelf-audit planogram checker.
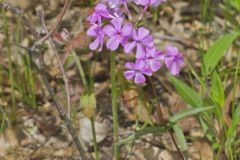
(94, 139)
(87, 90)
(79, 66)
(114, 106)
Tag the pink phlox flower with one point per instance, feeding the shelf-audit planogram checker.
(173, 60)
(97, 32)
(117, 32)
(100, 12)
(137, 71)
(154, 58)
(141, 39)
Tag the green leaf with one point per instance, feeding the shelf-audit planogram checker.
(181, 139)
(217, 51)
(88, 103)
(188, 112)
(217, 90)
(206, 130)
(138, 134)
(187, 93)
(236, 4)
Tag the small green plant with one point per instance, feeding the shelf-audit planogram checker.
(222, 140)
(21, 77)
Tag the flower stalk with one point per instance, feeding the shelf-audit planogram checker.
(90, 111)
(114, 106)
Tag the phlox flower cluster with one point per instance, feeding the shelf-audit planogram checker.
(108, 21)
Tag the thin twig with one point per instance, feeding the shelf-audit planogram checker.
(54, 28)
(65, 79)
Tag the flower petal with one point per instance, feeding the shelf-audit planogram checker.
(129, 75)
(130, 65)
(142, 33)
(113, 43)
(117, 22)
(140, 51)
(155, 65)
(168, 61)
(124, 40)
(92, 31)
(150, 51)
(142, 2)
(99, 19)
(134, 35)
(140, 65)
(101, 44)
(175, 68)
(180, 60)
(94, 44)
(147, 72)
(105, 14)
(129, 47)
(148, 41)
(100, 7)
(171, 51)
(109, 30)
(92, 18)
(155, 3)
(127, 29)
(101, 10)
(158, 55)
(139, 78)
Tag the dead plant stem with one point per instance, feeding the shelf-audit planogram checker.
(65, 79)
